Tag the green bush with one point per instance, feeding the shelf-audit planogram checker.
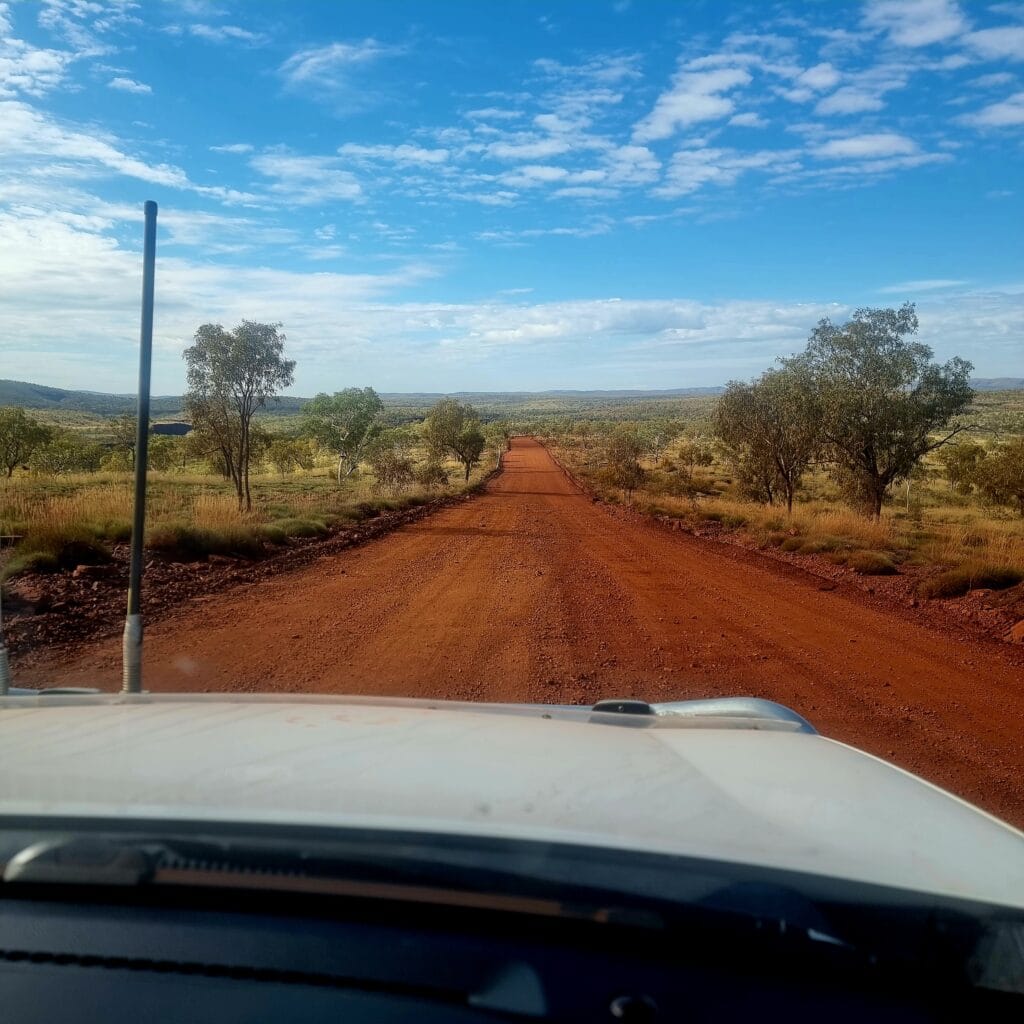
(296, 527)
(184, 542)
(955, 582)
(30, 561)
(871, 563)
(792, 543)
(824, 545)
(273, 534)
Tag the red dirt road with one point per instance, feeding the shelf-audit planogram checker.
(533, 593)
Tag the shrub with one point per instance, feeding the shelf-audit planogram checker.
(295, 527)
(273, 534)
(30, 561)
(871, 563)
(792, 543)
(184, 542)
(955, 582)
(47, 548)
(822, 545)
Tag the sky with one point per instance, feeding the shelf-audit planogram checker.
(453, 196)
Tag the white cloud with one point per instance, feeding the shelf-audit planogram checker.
(27, 69)
(528, 148)
(691, 169)
(129, 85)
(692, 98)
(849, 100)
(993, 81)
(865, 147)
(401, 154)
(915, 23)
(1004, 43)
(530, 175)
(233, 147)
(930, 284)
(27, 133)
(748, 120)
(1006, 114)
(631, 165)
(307, 180)
(821, 76)
(493, 114)
(330, 66)
(225, 33)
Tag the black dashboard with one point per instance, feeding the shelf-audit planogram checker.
(71, 954)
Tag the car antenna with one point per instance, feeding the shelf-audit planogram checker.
(5, 665)
(132, 658)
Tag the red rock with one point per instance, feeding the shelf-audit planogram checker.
(1016, 634)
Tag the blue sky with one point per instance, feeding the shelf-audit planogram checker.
(506, 196)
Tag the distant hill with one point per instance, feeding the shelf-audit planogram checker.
(997, 383)
(38, 396)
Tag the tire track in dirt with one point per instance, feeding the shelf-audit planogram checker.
(531, 592)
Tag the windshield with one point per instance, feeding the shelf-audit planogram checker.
(527, 353)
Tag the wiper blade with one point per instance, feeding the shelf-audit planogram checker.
(81, 860)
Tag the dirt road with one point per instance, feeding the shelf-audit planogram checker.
(533, 593)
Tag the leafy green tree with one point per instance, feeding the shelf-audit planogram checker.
(691, 453)
(66, 453)
(164, 452)
(286, 454)
(771, 428)
(20, 436)
(880, 400)
(622, 461)
(389, 457)
(344, 423)
(736, 422)
(960, 463)
(453, 430)
(123, 429)
(431, 475)
(1001, 475)
(231, 375)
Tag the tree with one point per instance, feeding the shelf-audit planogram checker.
(693, 452)
(1001, 475)
(772, 423)
(344, 423)
(880, 398)
(20, 436)
(163, 452)
(453, 429)
(66, 453)
(123, 428)
(286, 454)
(960, 463)
(388, 456)
(231, 374)
(622, 461)
(431, 475)
(736, 423)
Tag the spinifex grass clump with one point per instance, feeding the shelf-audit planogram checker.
(955, 582)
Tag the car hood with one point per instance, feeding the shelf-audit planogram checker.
(772, 797)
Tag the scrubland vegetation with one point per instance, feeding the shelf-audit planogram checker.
(860, 450)
(230, 485)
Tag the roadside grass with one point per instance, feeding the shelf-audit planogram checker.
(60, 522)
(955, 541)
